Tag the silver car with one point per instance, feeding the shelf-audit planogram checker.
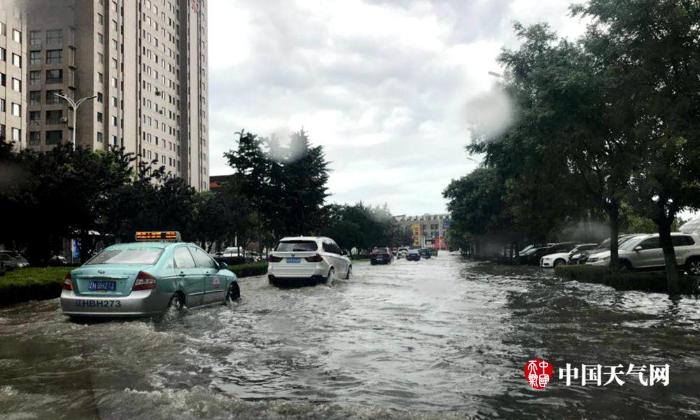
(645, 252)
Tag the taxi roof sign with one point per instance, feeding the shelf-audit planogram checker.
(169, 235)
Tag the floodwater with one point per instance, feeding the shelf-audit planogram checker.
(432, 339)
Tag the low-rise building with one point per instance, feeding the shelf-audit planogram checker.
(429, 230)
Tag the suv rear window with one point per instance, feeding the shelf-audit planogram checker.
(127, 256)
(297, 246)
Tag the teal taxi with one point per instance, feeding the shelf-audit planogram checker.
(148, 277)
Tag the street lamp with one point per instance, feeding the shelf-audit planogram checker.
(74, 104)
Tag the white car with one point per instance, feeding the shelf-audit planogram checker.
(553, 260)
(307, 258)
(644, 252)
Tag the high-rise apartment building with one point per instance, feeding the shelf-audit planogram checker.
(145, 63)
(12, 75)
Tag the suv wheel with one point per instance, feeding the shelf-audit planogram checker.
(693, 266)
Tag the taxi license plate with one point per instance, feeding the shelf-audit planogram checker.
(293, 260)
(102, 286)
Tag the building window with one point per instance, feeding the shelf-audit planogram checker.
(54, 117)
(54, 37)
(54, 56)
(100, 77)
(3, 54)
(100, 38)
(35, 138)
(115, 103)
(16, 135)
(51, 97)
(34, 57)
(54, 137)
(54, 76)
(99, 117)
(35, 97)
(16, 85)
(17, 36)
(114, 121)
(3, 79)
(115, 63)
(99, 97)
(34, 117)
(100, 58)
(35, 38)
(34, 77)
(16, 60)
(115, 83)
(3, 29)
(99, 137)
(16, 110)
(100, 19)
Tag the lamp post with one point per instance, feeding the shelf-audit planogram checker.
(74, 104)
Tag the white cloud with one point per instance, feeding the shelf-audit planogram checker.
(381, 84)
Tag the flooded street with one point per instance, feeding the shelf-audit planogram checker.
(437, 338)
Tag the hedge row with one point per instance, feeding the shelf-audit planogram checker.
(647, 281)
(248, 270)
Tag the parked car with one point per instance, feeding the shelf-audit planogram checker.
(401, 252)
(534, 254)
(412, 255)
(582, 257)
(307, 258)
(12, 259)
(58, 261)
(525, 254)
(644, 252)
(424, 253)
(155, 274)
(559, 258)
(381, 255)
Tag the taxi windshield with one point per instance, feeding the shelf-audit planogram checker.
(127, 256)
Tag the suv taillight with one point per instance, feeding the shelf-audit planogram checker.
(315, 258)
(144, 281)
(272, 258)
(68, 282)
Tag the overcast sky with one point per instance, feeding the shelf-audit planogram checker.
(384, 85)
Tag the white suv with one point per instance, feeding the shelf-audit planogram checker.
(307, 258)
(644, 251)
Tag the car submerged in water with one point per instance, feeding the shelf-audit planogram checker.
(413, 255)
(147, 278)
(307, 259)
(381, 255)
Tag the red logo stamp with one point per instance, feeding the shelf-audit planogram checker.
(538, 373)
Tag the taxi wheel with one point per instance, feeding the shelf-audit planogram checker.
(331, 276)
(234, 293)
(176, 303)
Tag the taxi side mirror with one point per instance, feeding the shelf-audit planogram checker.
(222, 265)
(638, 248)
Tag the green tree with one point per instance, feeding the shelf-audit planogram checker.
(651, 53)
(286, 186)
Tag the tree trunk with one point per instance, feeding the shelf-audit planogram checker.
(672, 278)
(614, 220)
